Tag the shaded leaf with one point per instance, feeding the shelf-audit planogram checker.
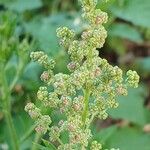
(129, 139)
(135, 11)
(23, 5)
(125, 31)
(144, 64)
(131, 107)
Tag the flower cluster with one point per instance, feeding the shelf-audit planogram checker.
(10, 42)
(90, 89)
(42, 121)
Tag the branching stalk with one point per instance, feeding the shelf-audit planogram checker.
(7, 112)
(86, 105)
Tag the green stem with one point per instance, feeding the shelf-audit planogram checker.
(91, 119)
(86, 105)
(36, 140)
(18, 73)
(11, 130)
(59, 140)
(7, 111)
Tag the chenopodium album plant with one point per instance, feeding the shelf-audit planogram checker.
(10, 47)
(87, 92)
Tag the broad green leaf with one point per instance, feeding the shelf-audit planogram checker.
(22, 123)
(105, 134)
(31, 76)
(129, 139)
(125, 31)
(144, 64)
(134, 11)
(131, 107)
(44, 30)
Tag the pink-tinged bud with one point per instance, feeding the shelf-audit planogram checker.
(65, 102)
(71, 127)
(97, 72)
(85, 35)
(71, 66)
(121, 91)
(44, 76)
(39, 129)
(61, 122)
(62, 110)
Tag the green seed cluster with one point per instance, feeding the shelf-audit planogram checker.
(43, 59)
(96, 146)
(42, 121)
(90, 89)
(66, 35)
(9, 41)
(132, 78)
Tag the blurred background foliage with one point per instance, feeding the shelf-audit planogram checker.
(127, 45)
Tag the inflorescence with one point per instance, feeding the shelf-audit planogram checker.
(87, 92)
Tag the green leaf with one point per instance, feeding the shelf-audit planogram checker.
(22, 123)
(129, 139)
(131, 107)
(44, 30)
(105, 134)
(125, 31)
(144, 64)
(23, 5)
(134, 11)
(31, 76)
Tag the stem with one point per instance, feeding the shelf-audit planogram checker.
(86, 105)
(36, 140)
(60, 142)
(58, 139)
(7, 111)
(91, 119)
(19, 71)
(12, 130)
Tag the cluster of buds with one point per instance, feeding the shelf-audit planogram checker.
(132, 78)
(42, 121)
(95, 146)
(43, 59)
(66, 35)
(10, 41)
(90, 89)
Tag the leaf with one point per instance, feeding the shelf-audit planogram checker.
(134, 11)
(125, 31)
(31, 76)
(105, 134)
(23, 5)
(144, 64)
(120, 49)
(131, 107)
(129, 139)
(22, 123)
(44, 30)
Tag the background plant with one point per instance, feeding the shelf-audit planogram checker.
(12, 48)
